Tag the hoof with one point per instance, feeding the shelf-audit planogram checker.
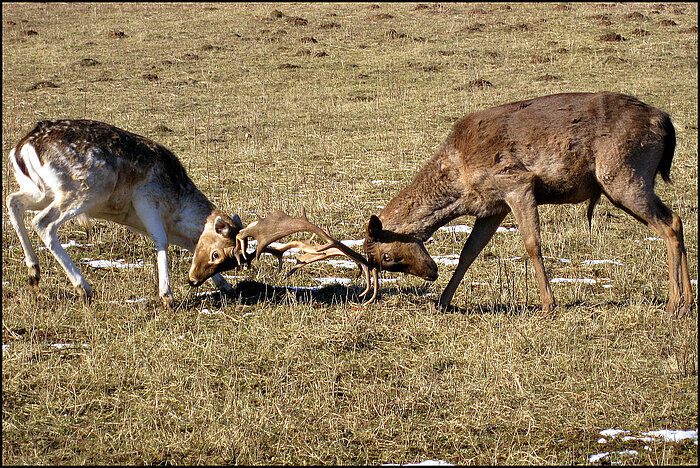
(85, 292)
(678, 309)
(548, 309)
(34, 276)
(168, 302)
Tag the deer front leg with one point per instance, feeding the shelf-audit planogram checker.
(484, 229)
(524, 207)
(150, 216)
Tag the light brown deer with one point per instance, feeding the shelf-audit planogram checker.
(563, 148)
(69, 168)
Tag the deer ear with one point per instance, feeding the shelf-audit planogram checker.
(221, 227)
(374, 227)
(238, 221)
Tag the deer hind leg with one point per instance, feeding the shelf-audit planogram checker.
(524, 207)
(46, 224)
(484, 229)
(647, 207)
(17, 203)
(150, 215)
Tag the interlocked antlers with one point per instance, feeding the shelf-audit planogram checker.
(278, 224)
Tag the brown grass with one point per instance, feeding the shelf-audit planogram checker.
(278, 375)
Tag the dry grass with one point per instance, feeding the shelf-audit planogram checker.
(336, 113)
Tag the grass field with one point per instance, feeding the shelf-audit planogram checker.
(334, 107)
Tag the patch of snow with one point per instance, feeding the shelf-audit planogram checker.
(328, 281)
(206, 293)
(563, 260)
(599, 262)
(141, 299)
(107, 263)
(423, 463)
(452, 259)
(68, 345)
(457, 228)
(597, 457)
(70, 243)
(353, 242)
(673, 436)
(649, 239)
(381, 181)
(340, 263)
(573, 280)
(613, 432)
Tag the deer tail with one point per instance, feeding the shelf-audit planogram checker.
(669, 142)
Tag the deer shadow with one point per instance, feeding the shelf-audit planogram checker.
(248, 292)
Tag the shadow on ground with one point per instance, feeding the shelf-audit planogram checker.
(249, 292)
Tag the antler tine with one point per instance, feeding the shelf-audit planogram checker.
(375, 277)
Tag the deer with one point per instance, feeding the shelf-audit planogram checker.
(558, 149)
(90, 169)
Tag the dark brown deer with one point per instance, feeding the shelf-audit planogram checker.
(69, 168)
(564, 148)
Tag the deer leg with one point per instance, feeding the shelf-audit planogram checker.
(524, 207)
(46, 224)
(150, 216)
(484, 229)
(16, 205)
(651, 211)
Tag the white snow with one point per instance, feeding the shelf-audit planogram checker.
(333, 280)
(423, 463)
(141, 299)
(463, 228)
(107, 263)
(573, 280)
(597, 457)
(70, 243)
(649, 239)
(673, 436)
(563, 260)
(650, 436)
(599, 262)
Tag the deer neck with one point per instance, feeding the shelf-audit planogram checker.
(188, 221)
(433, 199)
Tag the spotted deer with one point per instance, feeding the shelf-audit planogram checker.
(563, 148)
(69, 168)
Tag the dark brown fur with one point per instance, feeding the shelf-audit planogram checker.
(563, 148)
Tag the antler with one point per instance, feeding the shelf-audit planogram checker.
(278, 224)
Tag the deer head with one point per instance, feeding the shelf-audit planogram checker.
(216, 248)
(387, 250)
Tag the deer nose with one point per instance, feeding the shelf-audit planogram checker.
(193, 283)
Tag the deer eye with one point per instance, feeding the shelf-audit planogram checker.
(387, 258)
(214, 255)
